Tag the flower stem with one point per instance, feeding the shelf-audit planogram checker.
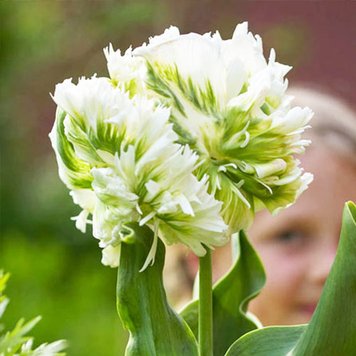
(205, 306)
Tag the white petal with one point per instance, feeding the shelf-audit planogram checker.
(194, 55)
(111, 256)
(152, 253)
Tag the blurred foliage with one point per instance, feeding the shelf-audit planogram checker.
(56, 271)
(16, 341)
(73, 293)
(43, 43)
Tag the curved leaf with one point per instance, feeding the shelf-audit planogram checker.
(332, 330)
(230, 299)
(155, 329)
(268, 341)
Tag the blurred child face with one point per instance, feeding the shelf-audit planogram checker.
(298, 245)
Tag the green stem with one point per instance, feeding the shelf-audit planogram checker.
(155, 329)
(205, 306)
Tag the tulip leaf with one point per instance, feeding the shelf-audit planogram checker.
(155, 329)
(268, 341)
(332, 329)
(230, 299)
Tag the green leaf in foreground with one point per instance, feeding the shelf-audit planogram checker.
(155, 329)
(230, 299)
(332, 330)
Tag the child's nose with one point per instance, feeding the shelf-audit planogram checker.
(322, 261)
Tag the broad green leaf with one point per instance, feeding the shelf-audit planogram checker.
(332, 329)
(230, 299)
(268, 341)
(155, 329)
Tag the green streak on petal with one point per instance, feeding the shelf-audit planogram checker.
(81, 143)
(185, 137)
(168, 82)
(87, 140)
(158, 84)
(73, 171)
(108, 137)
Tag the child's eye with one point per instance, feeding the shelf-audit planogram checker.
(290, 237)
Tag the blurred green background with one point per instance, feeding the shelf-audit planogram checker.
(56, 270)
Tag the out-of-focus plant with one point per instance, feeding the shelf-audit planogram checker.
(16, 342)
(51, 288)
(48, 40)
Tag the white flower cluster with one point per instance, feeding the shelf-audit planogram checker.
(230, 105)
(119, 158)
(190, 135)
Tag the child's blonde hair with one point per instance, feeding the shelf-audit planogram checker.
(334, 121)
